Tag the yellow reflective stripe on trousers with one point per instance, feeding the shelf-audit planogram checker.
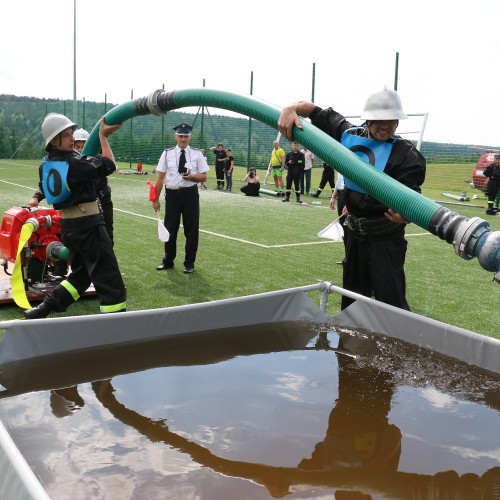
(114, 308)
(71, 289)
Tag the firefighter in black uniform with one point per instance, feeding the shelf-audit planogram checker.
(80, 137)
(294, 162)
(493, 172)
(327, 177)
(376, 246)
(68, 182)
(220, 163)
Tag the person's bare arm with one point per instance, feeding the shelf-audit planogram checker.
(104, 132)
(290, 117)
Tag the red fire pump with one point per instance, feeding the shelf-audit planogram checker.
(43, 257)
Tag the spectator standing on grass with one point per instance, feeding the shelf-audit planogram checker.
(253, 183)
(294, 162)
(493, 172)
(228, 170)
(83, 228)
(306, 174)
(220, 163)
(376, 246)
(277, 166)
(327, 177)
(180, 169)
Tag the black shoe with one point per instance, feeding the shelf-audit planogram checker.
(164, 267)
(38, 312)
(491, 211)
(188, 270)
(315, 195)
(285, 200)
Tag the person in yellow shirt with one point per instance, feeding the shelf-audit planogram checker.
(277, 165)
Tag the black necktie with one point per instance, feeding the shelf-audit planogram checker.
(182, 162)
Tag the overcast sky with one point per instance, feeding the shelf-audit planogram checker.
(448, 54)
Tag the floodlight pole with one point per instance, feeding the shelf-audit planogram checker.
(75, 117)
(250, 124)
(396, 72)
(202, 142)
(313, 82)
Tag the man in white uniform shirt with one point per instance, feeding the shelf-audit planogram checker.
(180, 169)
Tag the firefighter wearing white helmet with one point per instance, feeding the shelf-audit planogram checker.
(384, 105)
(80, 135)
(69, 181)
(53, 125)
(374, 234)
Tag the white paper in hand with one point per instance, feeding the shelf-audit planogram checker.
(333, 231)
(163, 234)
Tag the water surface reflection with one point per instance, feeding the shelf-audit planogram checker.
(269, 411)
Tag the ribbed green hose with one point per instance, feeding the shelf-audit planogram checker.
(393, 194)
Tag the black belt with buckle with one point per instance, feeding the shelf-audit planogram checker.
(182, 188)
(371, 226)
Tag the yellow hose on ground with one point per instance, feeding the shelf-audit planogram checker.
(18, 290)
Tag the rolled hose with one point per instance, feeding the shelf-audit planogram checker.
(470, 237)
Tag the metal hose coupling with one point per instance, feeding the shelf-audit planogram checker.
(473, 239)
(470, 238)
(157, 103)
(57, 251)
(34, 222)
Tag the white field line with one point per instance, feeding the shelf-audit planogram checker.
(240, 240)
(31, 188)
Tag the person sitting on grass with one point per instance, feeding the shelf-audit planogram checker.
(253, 183)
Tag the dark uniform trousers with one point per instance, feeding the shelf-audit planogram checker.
(185, 202)
(107, 211)
(106, 204)
(293, 175)
(366, 259)
(92, 261)
(327, 177)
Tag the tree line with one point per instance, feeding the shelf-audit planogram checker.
(142, 139)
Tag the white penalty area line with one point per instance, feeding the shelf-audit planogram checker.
(247, 242)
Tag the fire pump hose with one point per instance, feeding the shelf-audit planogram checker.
(470, 237)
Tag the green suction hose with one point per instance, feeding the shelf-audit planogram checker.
(470, 237)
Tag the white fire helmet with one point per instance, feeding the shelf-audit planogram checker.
(53, 125)
(384, 105)
(81, 135)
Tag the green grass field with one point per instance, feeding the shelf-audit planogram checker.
(256, 245)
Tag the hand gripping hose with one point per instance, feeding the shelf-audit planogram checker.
(470, 237)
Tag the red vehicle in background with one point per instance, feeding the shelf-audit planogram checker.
(479, 180)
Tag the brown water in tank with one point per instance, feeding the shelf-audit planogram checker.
(254, 413)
